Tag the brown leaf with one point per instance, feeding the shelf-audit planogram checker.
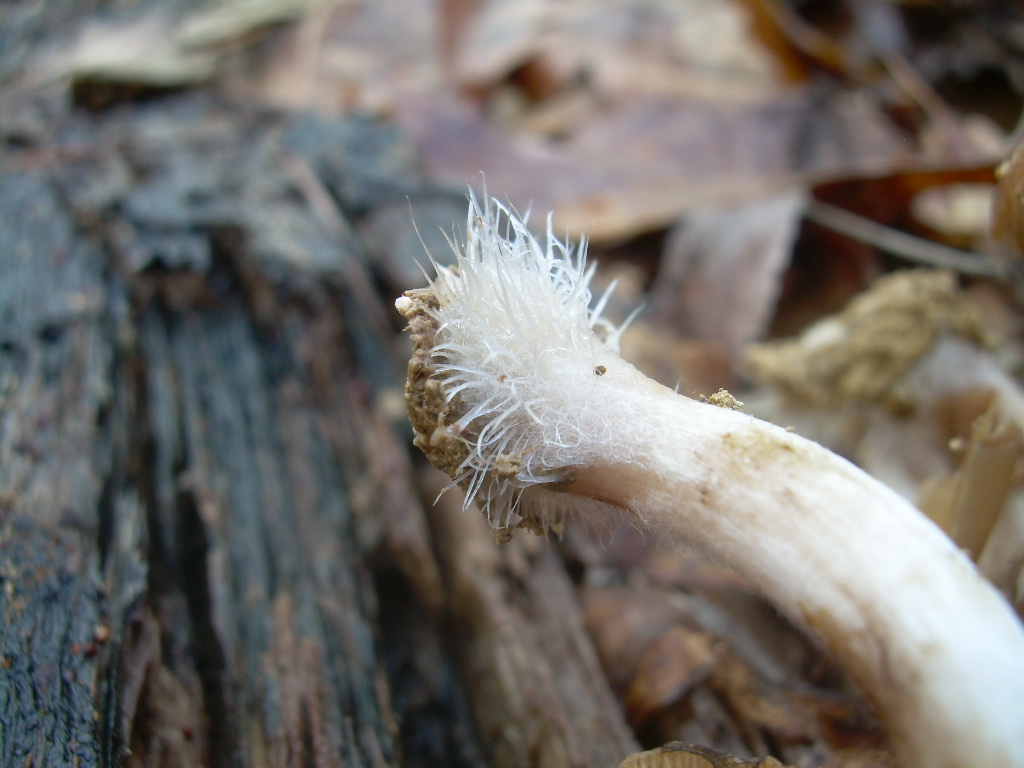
(350, 56)
(887, 197)
(230, 21)
(143, 51)
(690, 44)
(1008, 210)
(676, 754)
(858, 355)
(623, 623)
(981, 485)
(673, 157)
(161, 50)
(759, 703)
(672, 666)
(694, 366)
(722, 269)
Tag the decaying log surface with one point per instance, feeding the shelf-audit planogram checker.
(60, 504)
(540, 695)
(212, 547)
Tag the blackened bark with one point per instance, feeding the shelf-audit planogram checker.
(212, 548)
(56, 452)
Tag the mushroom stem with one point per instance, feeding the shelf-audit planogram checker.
(931, 643)
(516, 390)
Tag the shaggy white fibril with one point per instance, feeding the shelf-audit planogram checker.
(518, 346)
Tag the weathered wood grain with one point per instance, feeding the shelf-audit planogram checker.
(538, 692)
(212, 548)
(56, 450)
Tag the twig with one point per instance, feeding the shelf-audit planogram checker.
(903, 245)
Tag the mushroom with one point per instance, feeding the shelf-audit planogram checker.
(516, 390)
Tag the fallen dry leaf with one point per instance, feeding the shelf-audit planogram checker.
(722, 268)
(163, 50)
(228, 21)
(760, 704)
(703, 37)
(1008, 209)
(623, 624)
(680, 755)
(351, 57)
(141, 51)
(968, 504)
(678, 660)
(857, 355)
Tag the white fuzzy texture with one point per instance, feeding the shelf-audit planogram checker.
(516, 347)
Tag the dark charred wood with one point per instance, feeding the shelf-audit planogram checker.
(212, 547)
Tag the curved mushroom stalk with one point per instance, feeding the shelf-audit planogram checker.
(516, 390)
